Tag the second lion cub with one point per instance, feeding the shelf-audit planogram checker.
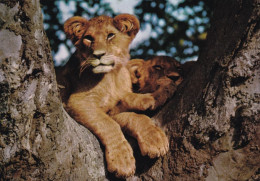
(96, 79)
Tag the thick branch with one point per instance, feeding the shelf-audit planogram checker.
(213, 117)
(38, 139)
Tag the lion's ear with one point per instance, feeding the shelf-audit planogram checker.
(74, 28)
(134, 66)
(127, 23)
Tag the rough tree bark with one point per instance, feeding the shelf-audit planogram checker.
(212, 121)
(38, 140)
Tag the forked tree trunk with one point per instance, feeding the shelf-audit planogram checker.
(212, 121)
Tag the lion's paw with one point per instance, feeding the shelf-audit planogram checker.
(153, 142)
(120, 160)
(147, 102)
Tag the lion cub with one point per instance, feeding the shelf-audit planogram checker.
(160, 76)
(96, 79)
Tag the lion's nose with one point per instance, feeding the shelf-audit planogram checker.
(99, 53)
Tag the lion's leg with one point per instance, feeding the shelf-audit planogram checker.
(151, 139)
(118, 152)
(142, 102)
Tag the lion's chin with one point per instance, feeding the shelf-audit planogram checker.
(102, 69)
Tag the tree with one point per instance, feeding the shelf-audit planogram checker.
(212, 121)
(38, 139)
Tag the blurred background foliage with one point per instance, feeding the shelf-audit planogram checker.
(176, 28)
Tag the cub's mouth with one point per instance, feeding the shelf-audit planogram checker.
(103, 65)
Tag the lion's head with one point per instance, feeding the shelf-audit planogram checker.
(102, 42)
(149, 75)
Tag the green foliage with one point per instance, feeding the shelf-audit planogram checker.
(177, 29)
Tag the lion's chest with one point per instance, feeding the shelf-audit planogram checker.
(106, 91)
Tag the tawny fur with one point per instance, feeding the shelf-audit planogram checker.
(159, 76)
(96, 78)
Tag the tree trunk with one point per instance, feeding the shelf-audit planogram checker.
(212, 121)
(38, 140)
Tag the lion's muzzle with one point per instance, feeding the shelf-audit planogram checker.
(103, 65)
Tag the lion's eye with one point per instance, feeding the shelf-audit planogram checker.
(175, 78)
(110, 36)
(157, 67)
(89, 38)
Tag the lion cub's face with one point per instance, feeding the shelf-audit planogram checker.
(148, 75)
(102, 42)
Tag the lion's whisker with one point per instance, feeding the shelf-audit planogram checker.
(83, 66)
